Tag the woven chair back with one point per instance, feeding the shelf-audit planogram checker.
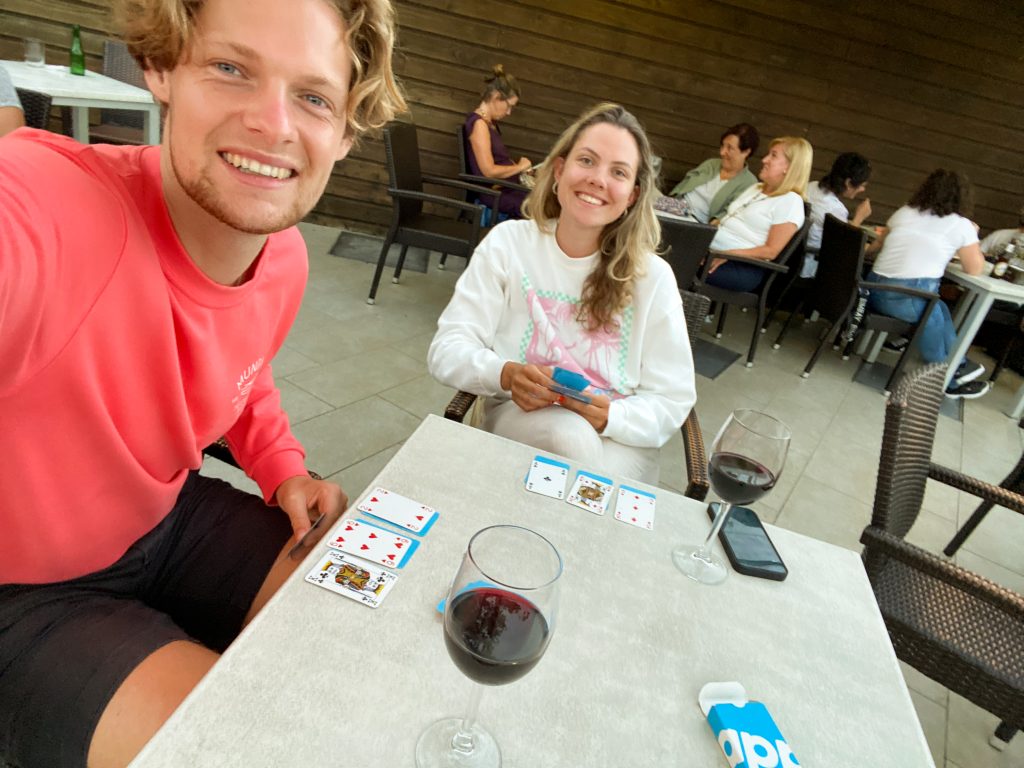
(684, 245)
(695, 309)
(119, 64)
(910, 419)
(403, 157)
(35, 106)
(840, 262)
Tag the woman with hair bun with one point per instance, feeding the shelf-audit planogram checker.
(576, 285)
(485, 150)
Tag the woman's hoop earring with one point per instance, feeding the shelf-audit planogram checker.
(554, 186)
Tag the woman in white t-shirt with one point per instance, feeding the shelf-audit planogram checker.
(576, 285)
(918, 242)
(764, 217)
(847, 179)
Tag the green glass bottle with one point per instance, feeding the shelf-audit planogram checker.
(77, 56)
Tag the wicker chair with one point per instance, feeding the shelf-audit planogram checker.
(35, 106)
(758, 297)
(1014, 481)
(222, 452)
(695, 307)
(956, 627)
(410, 224)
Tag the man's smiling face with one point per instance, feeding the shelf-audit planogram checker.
(256, 110)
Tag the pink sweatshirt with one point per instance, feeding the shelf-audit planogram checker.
(119, 360)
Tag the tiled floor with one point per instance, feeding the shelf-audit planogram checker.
(354, 382)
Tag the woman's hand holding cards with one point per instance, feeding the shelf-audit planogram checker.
(529, 385)
(595, 412)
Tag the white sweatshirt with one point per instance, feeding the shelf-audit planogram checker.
(518, 301)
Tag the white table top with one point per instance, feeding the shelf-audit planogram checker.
(320, 680)
(994, 286)
(91, 89)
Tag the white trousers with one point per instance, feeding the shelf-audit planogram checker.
(561, 431)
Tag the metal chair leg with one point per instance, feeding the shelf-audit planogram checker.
(722, 309)
(372, 298)
(400, 264)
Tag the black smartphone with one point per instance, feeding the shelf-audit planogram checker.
(747, 545)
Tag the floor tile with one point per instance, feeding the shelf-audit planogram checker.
(356, 479)
(420, 396)
(933, 723)
(819, 510)
(343, 437)
(359, 376)
(924, 685)
(968, 731)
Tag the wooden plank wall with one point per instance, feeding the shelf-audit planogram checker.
(912, 85)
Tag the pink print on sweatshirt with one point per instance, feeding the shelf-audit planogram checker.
(559, 340)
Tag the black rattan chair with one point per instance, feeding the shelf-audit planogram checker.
(758, 297)
(410, 224)
(695, 307)
(36, 107)
(1012, 482)
(120, 126)
(961, 630)
(684, 244)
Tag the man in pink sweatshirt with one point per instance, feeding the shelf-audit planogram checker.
(143, 293)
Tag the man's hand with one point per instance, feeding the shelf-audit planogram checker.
(304, 499)
(595, 412)
(528, 385)
(715, 264)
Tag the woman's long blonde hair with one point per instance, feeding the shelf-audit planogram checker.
(800, 155)
(626, 243)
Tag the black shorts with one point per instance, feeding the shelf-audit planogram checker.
(65, 648)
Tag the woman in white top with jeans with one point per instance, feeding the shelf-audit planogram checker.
(919, 241)
(765, 217)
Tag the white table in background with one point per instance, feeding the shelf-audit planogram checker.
(80, 92)
(318, 680)
(971, 311)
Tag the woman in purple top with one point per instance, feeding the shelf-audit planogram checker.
(485, 151)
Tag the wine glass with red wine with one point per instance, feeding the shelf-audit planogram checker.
(747, 458)
(498, 619)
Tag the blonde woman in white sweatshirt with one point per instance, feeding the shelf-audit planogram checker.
(576, 285)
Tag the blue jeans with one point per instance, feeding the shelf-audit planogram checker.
(938, 337)
(734, 276)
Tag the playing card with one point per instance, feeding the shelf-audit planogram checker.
(635, 507)
(591, 492)
(351, 577)
(372, 543)
(400, 510)
(547, 477)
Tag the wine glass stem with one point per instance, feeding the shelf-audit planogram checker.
(462, 741)
(716, 526)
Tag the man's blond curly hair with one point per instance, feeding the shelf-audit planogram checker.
(159, 32)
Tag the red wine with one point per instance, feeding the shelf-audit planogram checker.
(493, 636)
(739, 480)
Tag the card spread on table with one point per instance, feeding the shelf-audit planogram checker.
(635, 507)
(351, 577)
(547, 477)
(591, 492)
(399, 510)
(373, 543)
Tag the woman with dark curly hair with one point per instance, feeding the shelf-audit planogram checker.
(918, 242)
